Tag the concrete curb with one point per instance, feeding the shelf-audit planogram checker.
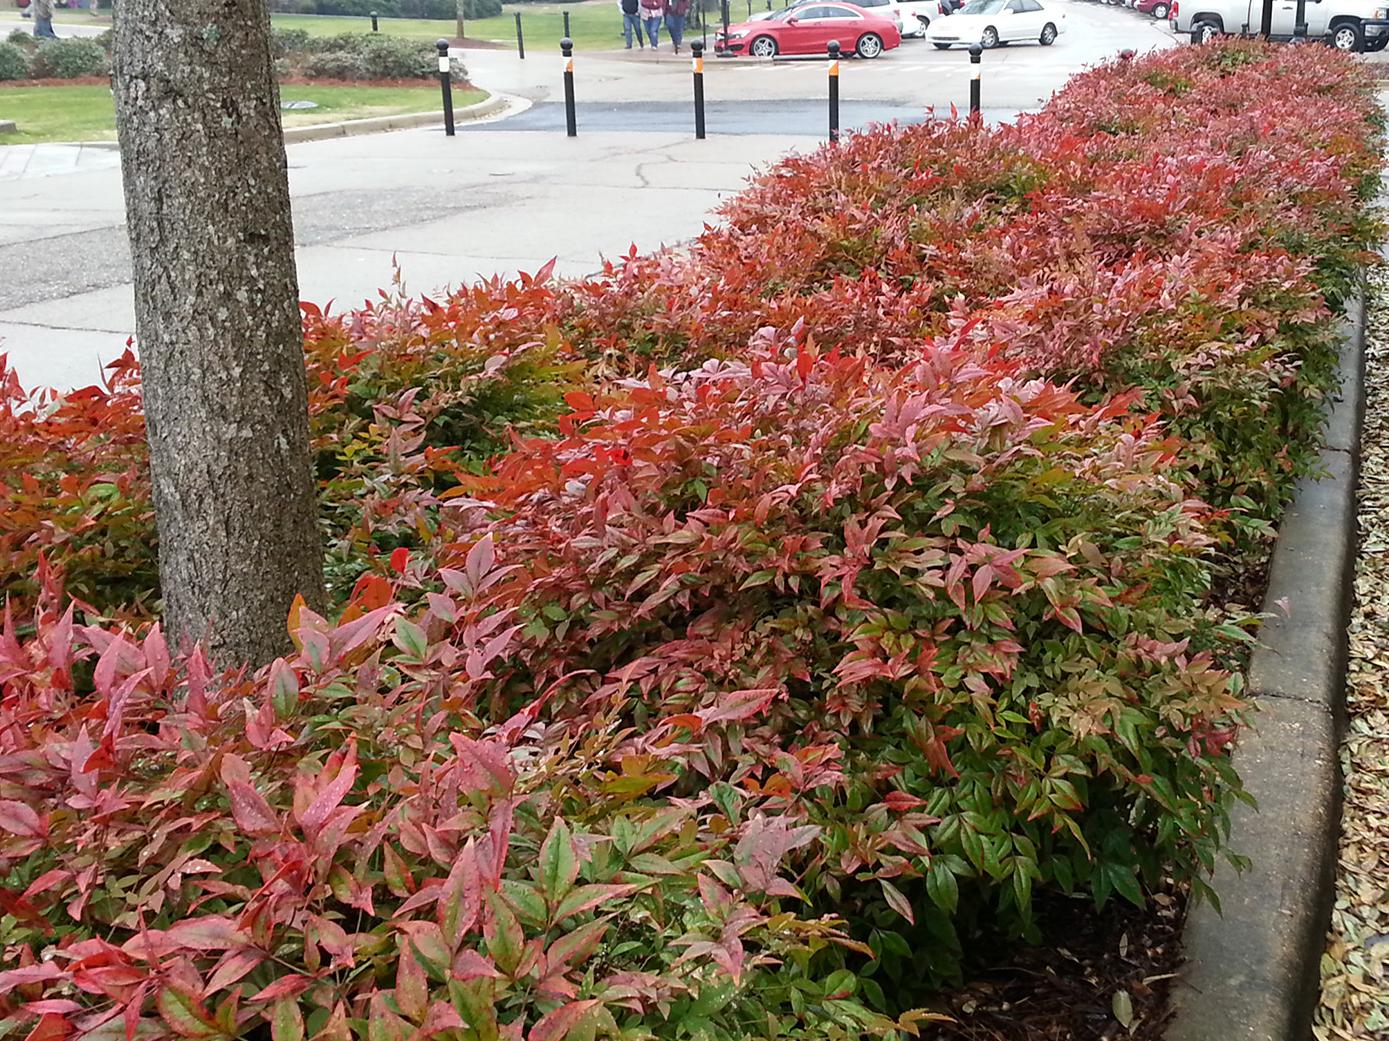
(1252, 974)
(352, 127)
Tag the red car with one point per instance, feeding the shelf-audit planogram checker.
(1159, 9)
(808, 28)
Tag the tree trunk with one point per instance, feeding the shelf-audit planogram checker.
(217, 318)
(461, 26)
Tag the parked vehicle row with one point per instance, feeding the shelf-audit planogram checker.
(869, 27)
(1347, 25)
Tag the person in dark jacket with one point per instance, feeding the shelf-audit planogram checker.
(676, 10)
(631, 21)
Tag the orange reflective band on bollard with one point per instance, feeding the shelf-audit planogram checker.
(699, 65)
(834, 68)
(569, 65)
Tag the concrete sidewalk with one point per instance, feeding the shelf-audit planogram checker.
(447, 211)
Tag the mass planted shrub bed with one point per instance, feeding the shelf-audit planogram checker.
(727, 646)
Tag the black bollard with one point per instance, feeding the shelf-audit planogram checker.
(1300, 23)
(697, 49)
(834, 91)
(724, 12)
(749, 8)
(520, 40)
(566, 26)
(374, 27)
(976, 54)
(446, 85)
(566, 48)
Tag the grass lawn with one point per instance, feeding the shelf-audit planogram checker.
(88, 113)
(595, 25)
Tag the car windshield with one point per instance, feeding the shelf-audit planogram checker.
(983, 6)
(784, 13)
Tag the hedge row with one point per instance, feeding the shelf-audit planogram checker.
(434, 9)
(23, 57)
(722, 645)
(347, 56)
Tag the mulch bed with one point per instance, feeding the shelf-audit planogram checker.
(1095, 977)
(1355, 965)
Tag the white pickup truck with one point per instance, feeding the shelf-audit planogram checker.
(1348, 25)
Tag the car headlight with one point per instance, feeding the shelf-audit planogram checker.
(1381, 12)
(738, 35)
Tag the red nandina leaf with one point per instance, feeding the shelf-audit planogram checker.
(557, 1025)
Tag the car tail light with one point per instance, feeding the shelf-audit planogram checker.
(1172, 11)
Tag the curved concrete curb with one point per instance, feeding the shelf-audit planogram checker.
(1252, 974)
(351, 127)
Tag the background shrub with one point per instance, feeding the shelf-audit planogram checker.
(335, 65)
(435, 9)
(14, 62)
(69, 59)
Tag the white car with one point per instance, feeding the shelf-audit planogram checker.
(994, 22)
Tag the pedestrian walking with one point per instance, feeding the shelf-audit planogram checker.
(631, 21)
(652, 12)
(43, 20)
(676, 10)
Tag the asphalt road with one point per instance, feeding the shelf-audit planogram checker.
(795, 118)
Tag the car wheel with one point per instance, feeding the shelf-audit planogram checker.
(1048, 36)
(989, 38)
(1348, 36)
(1160, 12)
(1204, 32)
(1377, 44)
(763, 47)
(942, 46)
(870, 45)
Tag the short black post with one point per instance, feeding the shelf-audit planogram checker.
(749, 8)
(724, 12)
(1266, 21)
(834, 91)
(566, 48)
(374, 27)
(446, 84)
(976, 55)
(520, 40)
(704, 29)
(697, 49)
(566, 24)
(1300, 23)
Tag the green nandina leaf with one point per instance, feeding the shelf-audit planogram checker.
(286, 1021)
(943, 888)
(559, 862)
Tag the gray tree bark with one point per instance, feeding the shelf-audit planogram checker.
(217, 319)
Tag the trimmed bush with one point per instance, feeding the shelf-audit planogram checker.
(14, 62)
(69, 59)
(336, 65)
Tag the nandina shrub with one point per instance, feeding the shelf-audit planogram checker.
(983, 593)
(404, 395)
(74, 486)
(407, 394)
(339, 847)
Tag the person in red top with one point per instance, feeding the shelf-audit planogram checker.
(652, 11)
(676, 10)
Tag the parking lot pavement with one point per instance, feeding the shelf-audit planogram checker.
(446, 210)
